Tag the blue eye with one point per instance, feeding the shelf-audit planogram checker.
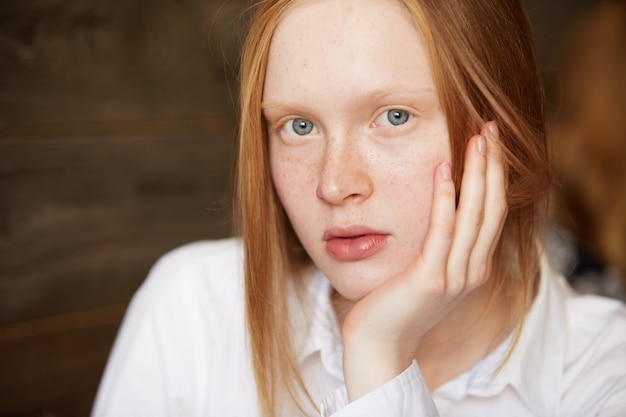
(301, 127)
(397, 117)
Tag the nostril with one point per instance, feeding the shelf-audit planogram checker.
(344, 174)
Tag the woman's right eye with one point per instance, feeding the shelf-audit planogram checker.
(299, 127)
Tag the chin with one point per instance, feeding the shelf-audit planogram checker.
(354, 285)
(354, 280)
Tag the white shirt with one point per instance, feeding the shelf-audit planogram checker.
(182, 351)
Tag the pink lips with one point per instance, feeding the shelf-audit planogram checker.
(354, 243)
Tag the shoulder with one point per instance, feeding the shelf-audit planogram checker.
(579, 345)
(192, 301)
(595, 367)
(597, 328)
(592, 323)
(197, 282)
(198, 265)
(182, 343)
(593, 314)
(201, 258)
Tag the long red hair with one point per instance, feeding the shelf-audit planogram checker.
(484, 63)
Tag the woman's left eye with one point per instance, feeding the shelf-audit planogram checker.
(299, 127)
(394, 117)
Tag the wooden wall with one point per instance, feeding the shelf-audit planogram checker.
(116, 143)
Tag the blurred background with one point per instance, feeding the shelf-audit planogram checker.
(117, 126)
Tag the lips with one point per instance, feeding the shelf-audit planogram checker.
(354, 243)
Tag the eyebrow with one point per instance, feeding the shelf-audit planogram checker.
(270, 105)
(375, 94)
(385, 92)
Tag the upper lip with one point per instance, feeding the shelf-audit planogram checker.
(349, 232)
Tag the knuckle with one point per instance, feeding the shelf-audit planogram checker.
(480, 274)
(447, 229)
(456, 286)
(456, 282)
(479, 218)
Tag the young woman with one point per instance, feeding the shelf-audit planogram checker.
(392, 183)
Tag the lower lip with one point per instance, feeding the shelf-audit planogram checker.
(356, 248)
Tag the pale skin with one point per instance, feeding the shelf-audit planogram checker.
(360, 159)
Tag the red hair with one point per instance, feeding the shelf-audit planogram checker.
(484, 63)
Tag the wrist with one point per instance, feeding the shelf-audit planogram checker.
(368, 365)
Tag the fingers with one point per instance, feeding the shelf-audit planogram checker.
(470, 213)
(442, 222)
(495, 207)
(460, 243)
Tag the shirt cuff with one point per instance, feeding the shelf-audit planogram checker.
(405, 395)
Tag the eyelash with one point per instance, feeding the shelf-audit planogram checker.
(384, 118)
(289, 127)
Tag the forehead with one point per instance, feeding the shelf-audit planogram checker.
(346, 45)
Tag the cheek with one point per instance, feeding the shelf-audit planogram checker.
(412, 177)
(410, 195)
(292, 180)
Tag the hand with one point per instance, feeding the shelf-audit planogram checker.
(382, 330)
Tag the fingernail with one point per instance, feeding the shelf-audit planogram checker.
(493, 128)
(446, 172)
(481, 144)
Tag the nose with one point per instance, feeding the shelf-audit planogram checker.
(344, 173)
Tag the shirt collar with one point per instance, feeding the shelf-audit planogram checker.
(535, 366)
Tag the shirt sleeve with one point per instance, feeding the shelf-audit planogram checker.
(405, 395)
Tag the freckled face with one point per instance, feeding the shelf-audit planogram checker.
(356, 131)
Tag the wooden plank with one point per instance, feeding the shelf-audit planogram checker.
(53, 374)
(85, 319)
(81, 221)
(116, 138)
(72, 62)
